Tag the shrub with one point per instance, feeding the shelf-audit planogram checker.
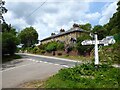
(42, 51)
(42, 46)
(60, 46)
(36, 50)
(9, 43)
(52, 46)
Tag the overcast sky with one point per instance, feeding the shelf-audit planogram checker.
(54, 15)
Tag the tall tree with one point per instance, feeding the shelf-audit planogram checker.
(100, 30)
(113, 26)
(9, 39)
(28, 36)
(86, 26)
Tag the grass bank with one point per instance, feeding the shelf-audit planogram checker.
(7, 58)
(78, 58)
(85, 76)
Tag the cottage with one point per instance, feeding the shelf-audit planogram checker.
(67, 37)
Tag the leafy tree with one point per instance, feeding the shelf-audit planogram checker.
(28, 36)
(81, 48)
(100, 30)
(87, 26)
(9, 43)
(113, 26)
(9, 39)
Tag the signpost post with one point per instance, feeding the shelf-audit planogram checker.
(96, 42)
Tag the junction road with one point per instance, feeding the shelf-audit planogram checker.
(32, 67)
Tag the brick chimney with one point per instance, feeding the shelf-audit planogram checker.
(62, 30)
(75, 25)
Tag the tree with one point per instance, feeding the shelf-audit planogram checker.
(86, 26)
(28, 36)
(100, 30)
(9, 39)
(113, 26)
(81, 48)
(9, 43)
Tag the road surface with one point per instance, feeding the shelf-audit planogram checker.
(31, 67)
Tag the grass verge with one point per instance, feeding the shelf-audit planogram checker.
(78, 58)
(85, 76)
(7, 58)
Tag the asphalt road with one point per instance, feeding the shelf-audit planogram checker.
(32, 67)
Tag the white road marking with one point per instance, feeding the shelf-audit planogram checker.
(51, 57)
(65, 66)
(45, 62)
(17, 67)
(40, 61)
(57, 64)
(50, 63)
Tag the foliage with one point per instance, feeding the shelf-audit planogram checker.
(117, 37)
(28, 36)
(113, 26)
(36, 50)
(7, 58)
(60, 46)
(42, 51)
(87, 26)
(81, 48)
(85, 76)
(42, 46)
(9, 39)
(100, 30)
(113, 29)
(52, 46)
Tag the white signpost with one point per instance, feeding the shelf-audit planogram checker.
(105, 41)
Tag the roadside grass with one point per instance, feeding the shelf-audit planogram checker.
(7, 58)
(33, 84)
(85, 76)
(78, 58)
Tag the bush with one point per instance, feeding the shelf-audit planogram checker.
(36, 50)
(60, 46)
(42, 46)
(82, 49)
(9, 43)
(42, 51)
(52, 46)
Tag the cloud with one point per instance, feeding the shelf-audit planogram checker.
(92, 16)
(51, 17)
(60, 0)
(108, 12)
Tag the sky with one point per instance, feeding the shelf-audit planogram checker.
(56, 14)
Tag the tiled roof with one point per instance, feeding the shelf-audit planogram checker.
(77, 29)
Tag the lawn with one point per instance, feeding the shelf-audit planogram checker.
(85, 76)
